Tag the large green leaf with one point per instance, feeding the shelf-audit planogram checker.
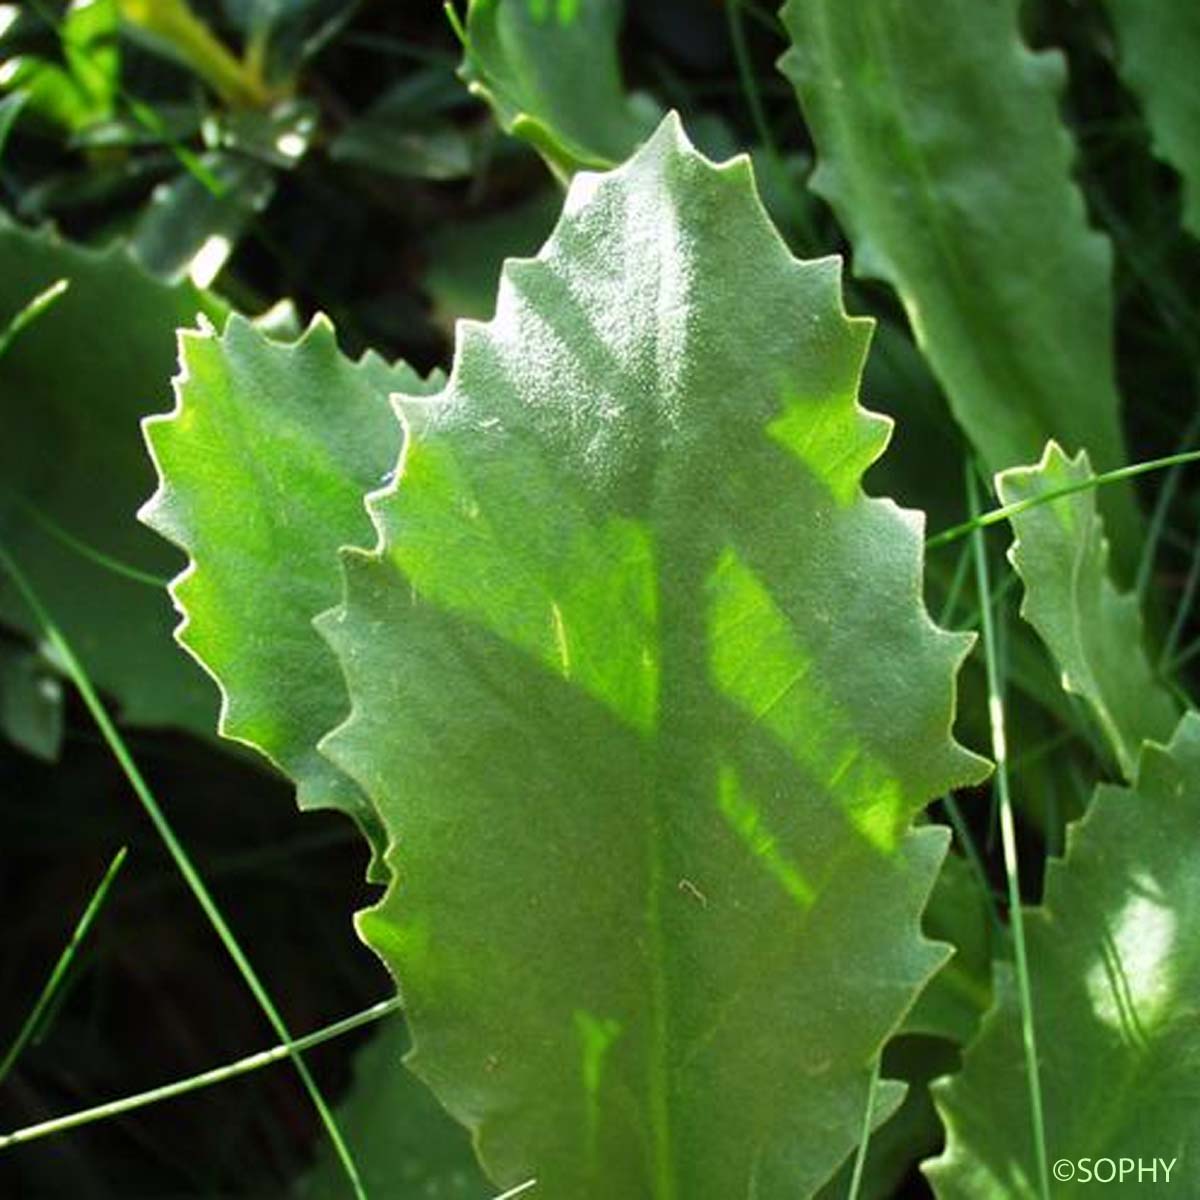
(73, 470)
(263, 465)
(1115, 971)
(1159, 58)
(550, 72)
(1093, 631)
(646, 697)
(942, 152)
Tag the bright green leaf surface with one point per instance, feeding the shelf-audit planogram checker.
(1115, 972)
(404, 1143)
(549, 70)
(1093, 631)
(263, 465)
(1159, 58)
(73, 387)
(941, 150)
(645, 694)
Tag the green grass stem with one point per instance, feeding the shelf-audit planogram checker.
(107, 561)
(62, 966)
(30, 313)
(860, 1155)
(996, 515)
(242, 1066)
(1009, 843)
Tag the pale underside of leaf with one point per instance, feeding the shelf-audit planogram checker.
(1114, 965)
(941, 150)
(1093, 632)
(263, 464)
(645, 694)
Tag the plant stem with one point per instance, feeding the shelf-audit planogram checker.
(749, 85)
(860, 1157)
(242, 1066)
(30, 313)
(29, 1028)
(115, 565)
(1009, 842)
(996, 515)
(519, 1190)
(173, 22)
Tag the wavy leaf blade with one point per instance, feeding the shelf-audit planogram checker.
(648, 782)
(1114, 973)
(262, 468)
(1093, 632)
(1158, 53)
(941, 151)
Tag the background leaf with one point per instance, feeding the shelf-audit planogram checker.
(1093, 631)
(1158, 51)
(549, 70)
(74, 468)
(1115, 972)
(941, 151)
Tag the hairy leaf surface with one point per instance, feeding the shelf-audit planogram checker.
(1115, 973)
(645, 694)
(549, 71)
(942, 152)
(1093, 631)
(263, 465)
(73, 469)
(1159, 58)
